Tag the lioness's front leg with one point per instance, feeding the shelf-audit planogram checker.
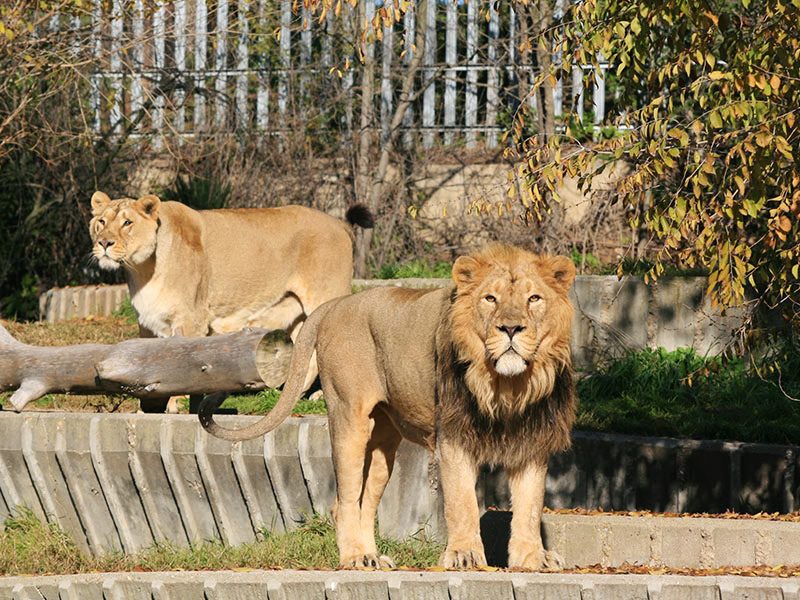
(458, 475)
(525, 550)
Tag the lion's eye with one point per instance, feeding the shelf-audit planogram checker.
(490, 299)
(102, 221)
(127, 222)
(534, 298)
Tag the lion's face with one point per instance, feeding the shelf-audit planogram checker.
(511, 310)
(123, 231)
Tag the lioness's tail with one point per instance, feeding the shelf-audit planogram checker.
(292, 389)
(360, 215)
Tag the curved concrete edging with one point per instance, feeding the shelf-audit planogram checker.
(354, 585)
(125, 482)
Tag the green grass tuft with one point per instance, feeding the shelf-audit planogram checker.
(681, 394)
(29, 547)
(126, 312)
(416, 268)
(264, 401)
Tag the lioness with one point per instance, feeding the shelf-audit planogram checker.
(479, 372)
(196, 273)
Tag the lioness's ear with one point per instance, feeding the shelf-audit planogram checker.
(100, 201)
(464, 270)
(149, 204)
(562, 271)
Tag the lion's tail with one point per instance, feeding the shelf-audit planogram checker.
(292, 389)
(360, 215)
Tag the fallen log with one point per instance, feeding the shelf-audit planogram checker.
(152, 368)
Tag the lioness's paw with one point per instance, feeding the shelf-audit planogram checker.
(462, 559)
(535, 560)
(367, 561)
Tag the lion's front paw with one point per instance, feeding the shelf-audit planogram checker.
(367, 561)
(463, 559)
(535, 559)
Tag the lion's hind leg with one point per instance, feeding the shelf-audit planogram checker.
(381, 452)
(354, 456)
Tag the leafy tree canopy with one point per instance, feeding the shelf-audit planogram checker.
(714, 91)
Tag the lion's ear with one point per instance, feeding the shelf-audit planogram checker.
(562, 272)
(465, 269)
(150, 205)
(100, 202)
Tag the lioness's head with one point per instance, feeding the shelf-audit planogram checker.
(511, 316)
(123, 231)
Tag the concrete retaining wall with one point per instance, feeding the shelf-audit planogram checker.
(611, 315)
(343, 585)
(124, 482)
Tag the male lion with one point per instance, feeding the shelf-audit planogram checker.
(195, 273)
(479, 372)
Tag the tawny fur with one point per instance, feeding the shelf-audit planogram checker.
(197, 273)
(423, 364)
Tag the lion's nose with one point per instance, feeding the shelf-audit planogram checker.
(106, 244)
(510, 330)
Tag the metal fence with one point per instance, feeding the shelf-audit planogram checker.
(193, 67)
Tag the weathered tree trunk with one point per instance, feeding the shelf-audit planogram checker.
(364, 148)
(377, 187)
(247, 360)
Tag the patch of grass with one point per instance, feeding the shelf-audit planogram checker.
(29, 547)
(416, 268)
(126, 312)
(681, 394)
(265, 400)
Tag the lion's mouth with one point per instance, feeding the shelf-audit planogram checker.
(510, 363)
(108, 263)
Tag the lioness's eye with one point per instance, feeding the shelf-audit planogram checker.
(102, 221)
(534, 298)
(491, 299)
(127, 222)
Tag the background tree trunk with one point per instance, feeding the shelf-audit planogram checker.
(377, 183)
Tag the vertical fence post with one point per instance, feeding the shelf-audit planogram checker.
(351, 34)
(286, 59)
(242, 59)
(55, 22)
(511, 67)
(600, 92)
(492, 79)
(429, 96)
(471, 99)
(409, 23)
(262, 95)
(221, 65)
(115, 63)
(558, 90)
(305, 49)
(200, 53)
(76, 37)
(387, 54)
(97, 48)
(179, 27)
(159, 62)
(137, 91)
(451, 55)
(577, 91)
(326, 40)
